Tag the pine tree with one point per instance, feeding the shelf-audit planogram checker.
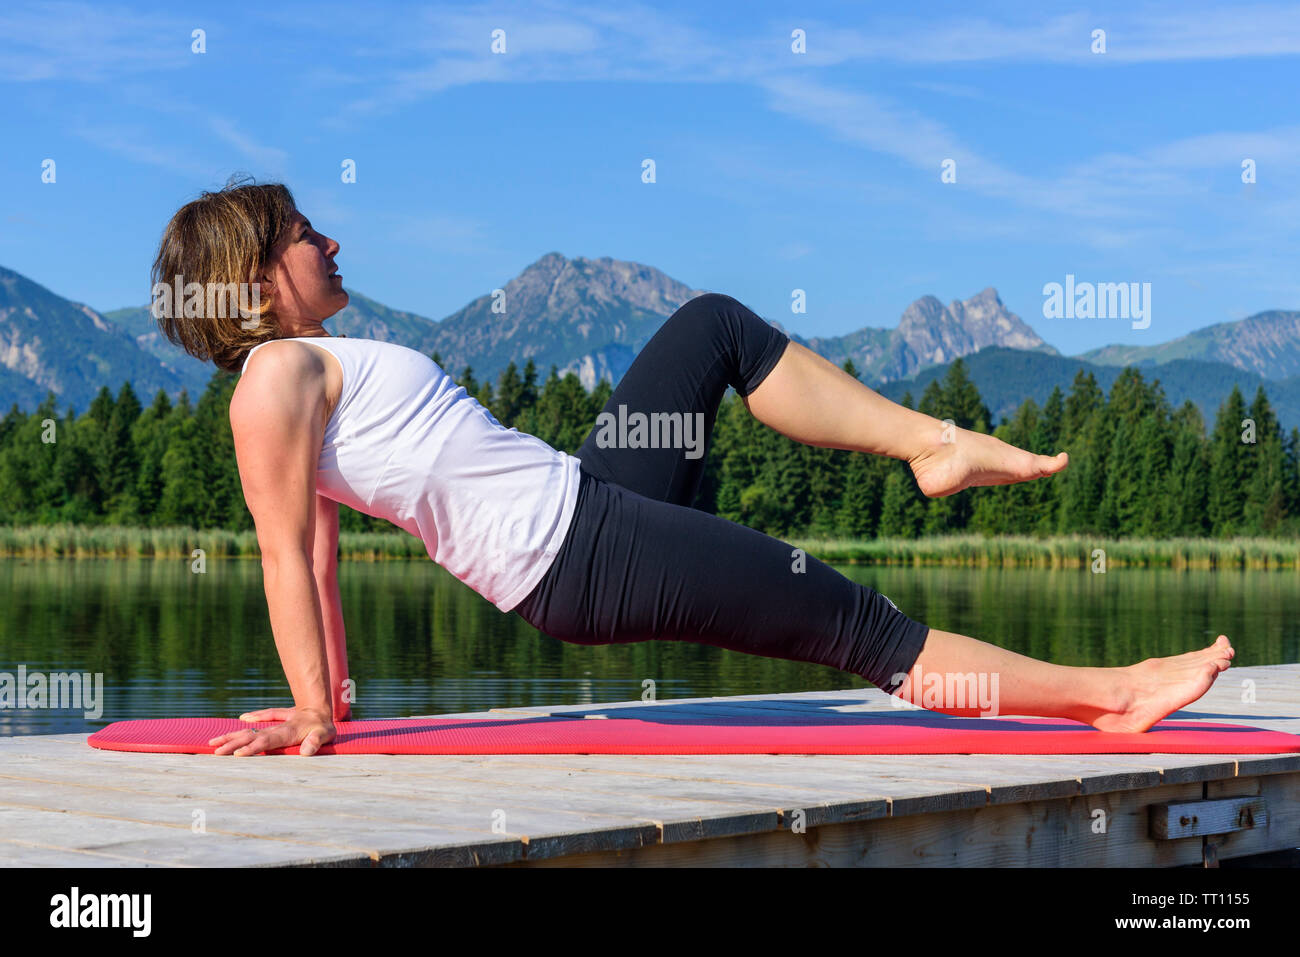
(1229, 466)
(1291, 479)
(1085, 399)
(962, 400)
(1187, 478)
(528, 390)
(149, 437)
(563, 415)
(1152, 516)
(860, 503)
(901, 511)
(1046, 439)
(509, 396)
(1083, 484)
(119, 472)
(1265, 506)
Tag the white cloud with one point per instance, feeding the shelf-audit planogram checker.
(274, 159)
(138, 145)
(1132, 36)
(86, 42)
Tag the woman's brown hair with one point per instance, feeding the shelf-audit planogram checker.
(221, 240)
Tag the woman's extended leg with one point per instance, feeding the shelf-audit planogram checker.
(808, 399)
(715, 341)
(1131, 698)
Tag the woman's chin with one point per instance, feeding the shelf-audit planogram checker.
(338, 302)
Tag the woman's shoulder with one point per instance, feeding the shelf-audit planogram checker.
(276, 352)
(272, 367)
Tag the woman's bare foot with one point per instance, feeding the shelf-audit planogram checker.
(1160, 686)
(960, 458)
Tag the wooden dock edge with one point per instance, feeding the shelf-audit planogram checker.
(1062, 832)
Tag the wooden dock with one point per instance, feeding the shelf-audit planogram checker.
(63, 803)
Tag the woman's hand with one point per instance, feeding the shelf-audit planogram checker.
(306, 727)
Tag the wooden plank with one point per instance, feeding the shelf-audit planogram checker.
(1052, 833)
(1016, 778)
(1253, 764)
(532, 810)
(374, 775)
(365, 812)
(700, 821)
(1168, 768)
(1282, 794)
(377, 827)
(16, 853)
(1200, 817)
(289, 830)
(682, 816)
(142, 842)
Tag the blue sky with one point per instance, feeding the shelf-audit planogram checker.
(775, 170)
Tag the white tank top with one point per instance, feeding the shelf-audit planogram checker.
(407, 444)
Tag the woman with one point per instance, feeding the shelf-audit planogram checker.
(602, 547)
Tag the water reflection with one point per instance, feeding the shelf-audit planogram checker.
(173, 643)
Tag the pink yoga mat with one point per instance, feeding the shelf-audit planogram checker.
(795, 733)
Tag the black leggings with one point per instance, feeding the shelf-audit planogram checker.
(639, 563)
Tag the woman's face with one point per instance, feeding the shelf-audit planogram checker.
(302, 278)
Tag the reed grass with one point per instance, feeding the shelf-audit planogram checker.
(116, 541)
(1064, 551)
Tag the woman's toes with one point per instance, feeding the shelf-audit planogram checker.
(1051, 463)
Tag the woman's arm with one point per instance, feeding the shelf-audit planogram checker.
(325, 566)
(278, 416)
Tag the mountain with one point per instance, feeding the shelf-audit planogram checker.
(588, 316)
(138, 323)
(1267, 344)
(1006, 377)
(49, 343)
(930, 333)
(592, 316)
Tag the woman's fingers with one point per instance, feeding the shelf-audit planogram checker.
(257, 744)
(248, 741)
(223, 738)
(227, 743)
(267, 714)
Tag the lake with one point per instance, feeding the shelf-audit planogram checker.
(170, 642)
